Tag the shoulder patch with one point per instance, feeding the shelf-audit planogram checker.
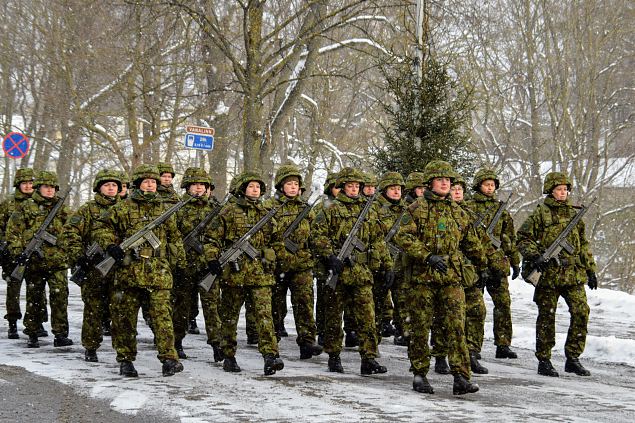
(76, 219)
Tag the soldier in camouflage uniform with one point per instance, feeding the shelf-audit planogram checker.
(245, 275)
(142, 273)
(196, 182)
(293, 269)
(484, 203)
(434, 236)
(330, 229)
(80, 232)
(564, 278)
(165, 190)
(23, 183)
(50, 268)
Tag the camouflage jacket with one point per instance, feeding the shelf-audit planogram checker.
(234, 220)
(388, 213)
(143, 267)
(168, 194)
(7, 207)
(331, 228)
(439, 226)
(292, 207)
(84, 226)
(188, 217)
(539, 231)
(504, 229)
(26, 220)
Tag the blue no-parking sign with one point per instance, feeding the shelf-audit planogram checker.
(199, 137)
(15, 145)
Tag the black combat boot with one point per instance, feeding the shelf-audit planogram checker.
(476, 366)
(281, 331)
(13, 330)
(320, 340)
(421, 384)
(387, 329)
(370, 367)
(401, 340)
(178, 346)
(33, 342)
(545, 368)
(230, 365)
(272, 365)
(105, 328)
(477, 355)
(309, 350)
(193, 328)
(463, 386)
(91, 355)
(252, 339)
(351, 340)
(41, 332)
(572, 365)
(126, 368)
(218, 353)
(503, 351)
(441, 366)
(170, 367)
(335, 363)
(62, 341)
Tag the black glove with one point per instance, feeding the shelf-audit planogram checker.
(515, 271)
(493, 283)
(116, 252)
(592, 280)
(21, 259)
(334, 264)
(483, 278)
(83, 262)
(540, 264)
(389, 279)
(214, 267)
(437, 263)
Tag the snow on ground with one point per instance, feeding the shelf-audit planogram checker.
(304, 390)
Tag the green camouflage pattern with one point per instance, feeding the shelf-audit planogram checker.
(350, 174)
(438, 169)
(168, 194)
(415, 179)
(391, 178)
(45, 177)
(145, 171)
(107, 175)
(554, 179)
(163, 167)
(484, 174)
(23, 175)
(285, 171)
(194, 175)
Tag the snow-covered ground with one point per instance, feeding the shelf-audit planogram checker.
(305, 390)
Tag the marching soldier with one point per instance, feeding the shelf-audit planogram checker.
(165, 190)
(143, 274)
(50, 268)
(564, 278)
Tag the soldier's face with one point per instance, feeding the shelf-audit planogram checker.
(441, 186)
(291, 188)
(47, 191)
(393, 192)
(488, 187)
(351, 189)
(197, 189)
(148, 185)
(166, 179)
(109, 189)
(419, 191)
(26, 187)
(369, 190)
(253, 189)
(560, 193)
(335, 191)
(124, 190)
(457, 192)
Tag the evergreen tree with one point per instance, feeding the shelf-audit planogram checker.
(428, 120)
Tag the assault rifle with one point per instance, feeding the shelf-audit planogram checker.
(191, 240)
(3, 248)
(40, 236)
(141, 236)
(559, 244)
(238, 248)
(492, 224)
(351, 243)
(93, 254)
(394, 250)
(290, 245)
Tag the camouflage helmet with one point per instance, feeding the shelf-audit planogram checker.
(350, 174)
(124, 178)
(554, 179)
(331, 179)
(145, 171)
(285, 171)
(243, 180)
(45, 177)
(371, 179)
(23, 175)
(415, 179)
(459, 180)
(389, 179)
(438, 169)
(194, 175)
(106, 175)
(484, 174)
(165, 168)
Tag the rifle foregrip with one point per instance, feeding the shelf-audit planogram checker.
(105, 266)
(207, 282)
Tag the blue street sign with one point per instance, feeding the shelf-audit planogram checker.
(15, 145)
(199, 141)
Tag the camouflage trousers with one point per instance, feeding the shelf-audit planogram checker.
(383, 304)
(96, 299)
(58, 299)
(547, 301)
(361, 296)
(502, 315)
(182, 287)
(403, 318)
(320, 321)
(301, 286)
(475, 313)
(125, 304)
(424, 299)
(210, 304)
(13, 297)
(232, 299)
